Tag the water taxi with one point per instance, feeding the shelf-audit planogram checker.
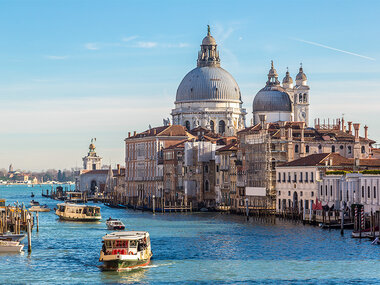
(125, 250)
(115, 224)
(75, 212)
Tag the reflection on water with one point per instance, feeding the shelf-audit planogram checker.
(196, 248)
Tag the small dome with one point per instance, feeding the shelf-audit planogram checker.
(272, 98)
(208, 83)
(301, 76)
(208, 41)
(287, 79)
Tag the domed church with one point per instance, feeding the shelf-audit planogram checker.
(282, 103)
(209, 96)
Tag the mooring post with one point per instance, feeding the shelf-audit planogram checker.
(246, 208)
(342, 219)
(154, 204)
(38, 224)
(29, 234)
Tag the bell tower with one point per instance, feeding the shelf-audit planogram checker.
(92, 161)
(301, 98)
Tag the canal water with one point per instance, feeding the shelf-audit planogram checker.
(197, 248)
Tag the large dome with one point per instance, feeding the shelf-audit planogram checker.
(208, 83)
(272, 98)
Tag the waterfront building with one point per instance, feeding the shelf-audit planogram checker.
(208, 96)
(297, 180)
(225, 182)
(265, 146)
(347, 187)
(144, 160)
(288, 102)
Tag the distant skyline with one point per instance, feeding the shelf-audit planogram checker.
(74, 70)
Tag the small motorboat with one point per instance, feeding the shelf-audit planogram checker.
(10, 246)
(39, 208)
(125, 250)
(115, 224)
(12, 237)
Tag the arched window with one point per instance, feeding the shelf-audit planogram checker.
(307, 149)
(305, 98)
(296, 148)
(333, 148)
(187, 125)
(349, 149)
(222, 127)
(363, 149)
(319, 147)
(206, 186)
(321, 190)
(369, 192)
(300, 98)
(212, 126)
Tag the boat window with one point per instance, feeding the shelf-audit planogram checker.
(2, 203)
(133, 243)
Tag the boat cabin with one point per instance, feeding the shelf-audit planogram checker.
(123, 243)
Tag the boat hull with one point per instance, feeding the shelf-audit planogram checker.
(119, 265)
(94, 219)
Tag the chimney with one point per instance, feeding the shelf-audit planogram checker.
(170, 133)
(350, 128)
(356, 127)
(134, 133)
(366, 132)
(155, 131)
(343, 126)
(302, 131)
(118, 169)
(129, 134)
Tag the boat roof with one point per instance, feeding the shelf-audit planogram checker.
(77, 205)
(127, 235)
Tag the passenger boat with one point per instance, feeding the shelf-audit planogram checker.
(10, 246)
(115, 224)
(125, 250)
(76, 212)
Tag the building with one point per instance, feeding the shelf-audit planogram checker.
(209, 96)
(282, 103)
(144, 162)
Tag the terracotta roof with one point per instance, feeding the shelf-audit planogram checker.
(181, 144)
(320, 159)
(230, 147)
(173, 130)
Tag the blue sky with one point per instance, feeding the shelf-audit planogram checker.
(72, 70)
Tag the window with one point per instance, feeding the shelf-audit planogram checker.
(279, 193)
(288, 193)
(212, 126)
(321, 190)
(283, 177)
(296, 148)
(307, 149)
(349, 149)
(363, 149)
(312, 193)
(288, 177)
(300, 98)
(374, 192)
(333, 148)
(279, 177)
(206, 168)
(304, 98)
(362, 191)
(206, 186)
(369, 192)
(341, 147)
(301, 193)
(222, 127)
(295, 177)
(217, 168)
(306, 176)
(331, 190)
(301, 174)
(319, 146)
(187, 125)
(326, 190)
(307, 204)
(312, 177)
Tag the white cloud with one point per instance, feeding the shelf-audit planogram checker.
(91, 46)
(146, 44)
(57, 57)
(128, 39)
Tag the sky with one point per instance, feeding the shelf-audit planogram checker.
(75, 70)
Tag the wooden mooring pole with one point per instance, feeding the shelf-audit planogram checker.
(29, 234)
(38, 224)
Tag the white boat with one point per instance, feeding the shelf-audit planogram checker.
(39, 208)
(76, 212)
(10, 246)
(12, 237)
(125, 250)
(115, 224)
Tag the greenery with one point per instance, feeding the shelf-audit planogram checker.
(373, 171)
(343, 172)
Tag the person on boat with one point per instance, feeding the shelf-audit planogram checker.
(104, 247)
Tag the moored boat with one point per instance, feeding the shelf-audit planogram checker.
(115, 224)
(39, 208)
(125, 250)
(76, 212)
(10, 246)
(12, 237)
